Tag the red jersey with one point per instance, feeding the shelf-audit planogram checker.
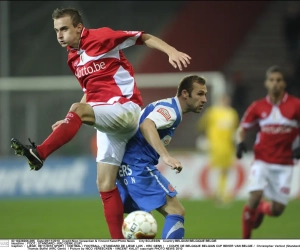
(105, 75)
(278, 128)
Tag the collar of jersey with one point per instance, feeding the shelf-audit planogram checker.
(178, 105)
(84, 33)
(283, 99)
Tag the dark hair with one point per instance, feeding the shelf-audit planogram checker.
(71, 12)
(274, 69)
(187, 83)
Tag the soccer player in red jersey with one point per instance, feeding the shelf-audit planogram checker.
(276, 147)
(111, 101)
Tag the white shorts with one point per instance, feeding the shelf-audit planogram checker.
(273, 179)
(116, 124)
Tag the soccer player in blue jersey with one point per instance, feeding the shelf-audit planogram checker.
(140, 183)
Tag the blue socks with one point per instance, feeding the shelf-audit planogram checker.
(173, 227)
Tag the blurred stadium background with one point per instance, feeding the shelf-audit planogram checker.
(232, 43)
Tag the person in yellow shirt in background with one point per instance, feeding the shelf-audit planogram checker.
(219, 123)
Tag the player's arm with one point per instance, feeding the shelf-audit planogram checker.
(176, 58)
(249, 119)
(240, 135)
(240, 142)
(113, 40)
(149, 131)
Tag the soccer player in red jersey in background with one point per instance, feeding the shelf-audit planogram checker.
(276, 147)
(111, 102)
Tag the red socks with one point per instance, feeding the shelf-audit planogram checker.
(250, 217)
(60, 136)
(264, 207)
(113, 211)
(247, 222)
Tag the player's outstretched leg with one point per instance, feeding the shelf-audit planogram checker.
(29, 151)
(36, 155)
(62, 134)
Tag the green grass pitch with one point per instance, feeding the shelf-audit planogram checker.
(84, 219)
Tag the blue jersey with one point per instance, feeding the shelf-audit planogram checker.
(166, 114)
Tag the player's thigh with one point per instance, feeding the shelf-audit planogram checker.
(172, 206)
(110, 148)
(257, 182)
(106, 176)
(258, 176)
(110, 151)
(254, 198)
(280, 178)
(147, 187)
(117, 119)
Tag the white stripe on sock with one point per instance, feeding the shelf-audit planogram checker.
(177, 226)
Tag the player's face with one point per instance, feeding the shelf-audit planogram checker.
(196, 101)
(275, 83)
(66, 33)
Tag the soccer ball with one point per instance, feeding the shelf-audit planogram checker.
(139, 225)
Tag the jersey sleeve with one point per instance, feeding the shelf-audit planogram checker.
(118, 39)
(250, 117)
(163, 116)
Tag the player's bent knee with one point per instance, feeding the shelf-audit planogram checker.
(277, 209)
(277, 213)
(76, 108)
(105, 187)
(105, 184)
(84, 111)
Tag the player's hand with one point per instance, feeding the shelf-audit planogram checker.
(55, 125)
(296, 153)
(177, 59)
(240, 149)
(173, 163)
